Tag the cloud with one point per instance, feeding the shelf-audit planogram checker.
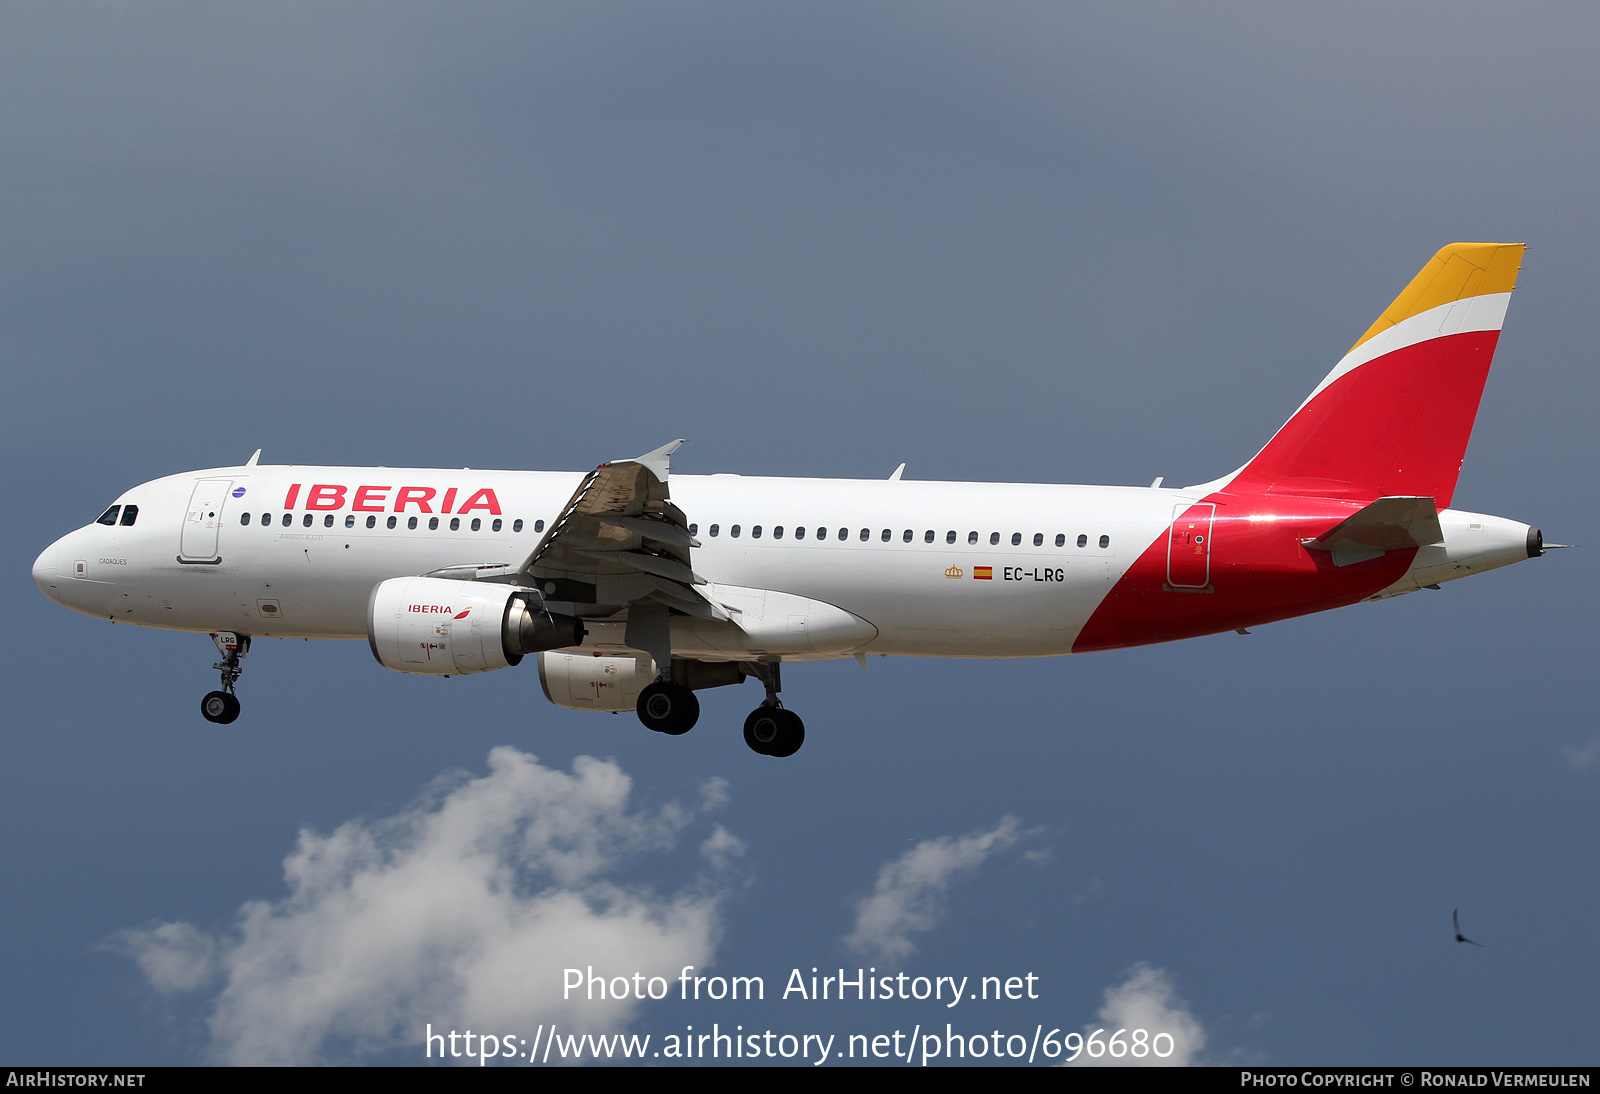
(909, 894)
(1582, 757)
(462, 911)
(173, 956)
(1147, 1001)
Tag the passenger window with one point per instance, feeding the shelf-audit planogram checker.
(538, 526)
(1105, 541)
(1016, 538)
(350, 520)
(306, 523)
(109, 517)
(516, 525)
(1061, 540)
(927, 537)
(476, 524)
(1083, 541)
(949, 537)
(411, 524)
(799, 532)
(714, 530)
(777, 533)
(1038, 539)
(288, 519)
(887, 535)
(496, 526)
(389, 523)
(266, 519)
(822, 533)
(906, 536)
(372, 522)
(433, 524)
(972, 538)
(694, 529)
(327, 521)
(130, 513)
(844, 534)
(244, 518)
(734, 531)
(455, 524)
(994, 538)
(866, 534)
(755, 533)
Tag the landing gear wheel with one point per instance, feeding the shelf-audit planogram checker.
(219, 707)
(222, 706)
(668, 708)
(773, 731)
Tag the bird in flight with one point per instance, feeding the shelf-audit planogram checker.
(1455, 917)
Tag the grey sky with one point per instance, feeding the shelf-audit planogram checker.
(1036, 242)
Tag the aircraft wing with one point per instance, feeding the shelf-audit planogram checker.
(618, 541)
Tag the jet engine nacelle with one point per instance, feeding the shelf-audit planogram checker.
(583, 681)
(438, 627)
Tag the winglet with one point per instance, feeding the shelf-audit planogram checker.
(657, 462)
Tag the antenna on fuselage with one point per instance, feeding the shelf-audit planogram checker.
(897, 472)
(251, 462)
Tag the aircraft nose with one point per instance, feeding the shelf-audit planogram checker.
(44, 573)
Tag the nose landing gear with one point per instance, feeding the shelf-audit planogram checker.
(222, 707)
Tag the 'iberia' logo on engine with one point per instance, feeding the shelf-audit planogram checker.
(445, 608)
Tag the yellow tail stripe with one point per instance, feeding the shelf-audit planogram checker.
(1457, 272)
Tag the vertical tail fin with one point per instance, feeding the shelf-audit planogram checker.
(1394, 416)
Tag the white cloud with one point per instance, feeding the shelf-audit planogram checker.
(462, 911)
(909, 894)
(1582, 757)
(721, 848)
(172, 956)
(1146, 1000)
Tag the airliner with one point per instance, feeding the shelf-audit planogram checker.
(634, 588)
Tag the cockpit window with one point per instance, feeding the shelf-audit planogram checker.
(130, 513)
(109, 517)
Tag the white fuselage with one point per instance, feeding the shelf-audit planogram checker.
(816, 568)
(313, 580)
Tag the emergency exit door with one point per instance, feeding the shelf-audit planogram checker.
(1189, 546)
(203, 521)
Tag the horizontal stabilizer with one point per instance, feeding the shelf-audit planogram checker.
(1388, 524)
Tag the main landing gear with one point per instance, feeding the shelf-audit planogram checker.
(771, 730)
(222, 706)
(774, 731)
(668, 706)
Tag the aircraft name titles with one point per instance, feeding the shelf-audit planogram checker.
(329, 497)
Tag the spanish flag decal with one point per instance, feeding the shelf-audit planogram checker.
(983, 573)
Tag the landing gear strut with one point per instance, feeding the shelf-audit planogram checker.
(770, 729)
(222, 706)
(665, 706)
